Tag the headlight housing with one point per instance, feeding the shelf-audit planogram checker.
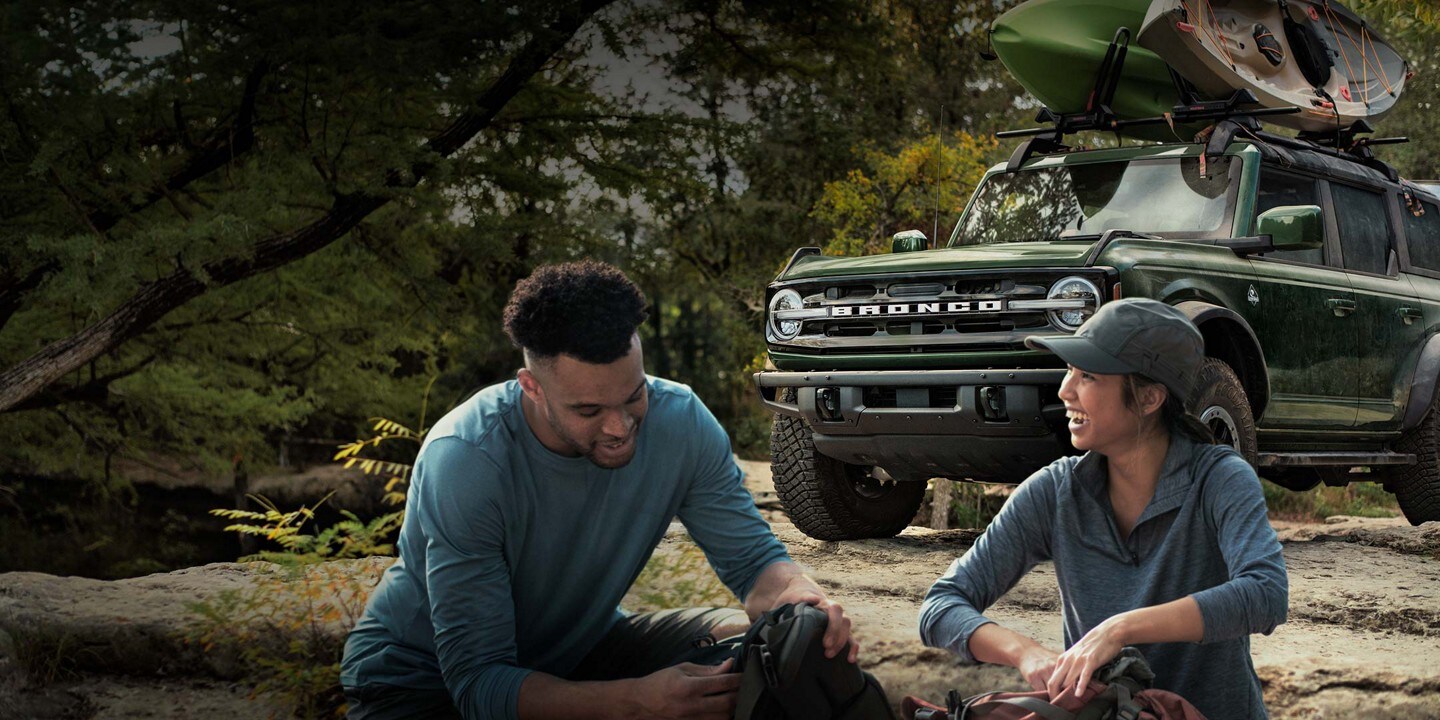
(1073, 288)
(785, 300)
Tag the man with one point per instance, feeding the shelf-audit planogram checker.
(533, 507)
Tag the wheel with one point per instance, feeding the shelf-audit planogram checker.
(1417, 487)
(828, 499)
(1223, 407)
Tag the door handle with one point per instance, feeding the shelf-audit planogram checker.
(1409, 314)
(1340, 306)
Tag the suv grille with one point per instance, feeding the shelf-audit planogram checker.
(925, 321)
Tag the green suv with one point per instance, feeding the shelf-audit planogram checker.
(1313, 273)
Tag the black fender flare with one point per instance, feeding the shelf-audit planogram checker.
(1255, 375)
(1422, 383)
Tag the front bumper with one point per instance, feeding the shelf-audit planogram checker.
(991, 425)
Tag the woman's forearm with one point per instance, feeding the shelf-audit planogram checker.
(1175, 621)
(993, 643)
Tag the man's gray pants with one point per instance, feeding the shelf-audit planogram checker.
(633, 647)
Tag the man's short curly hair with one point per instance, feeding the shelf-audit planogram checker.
(587, 309)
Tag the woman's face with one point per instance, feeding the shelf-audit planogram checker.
(1099, 418)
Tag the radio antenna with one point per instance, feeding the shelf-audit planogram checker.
(939, 150)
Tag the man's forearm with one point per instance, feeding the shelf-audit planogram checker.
(546, 697)
(773, 581)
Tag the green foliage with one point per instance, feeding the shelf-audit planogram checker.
(972, 505)
(284, 628)
(48, 658)
(349, 538)
(698, 176)
(1361, 499)
(287, 630)
(911, 189)
(678, 576)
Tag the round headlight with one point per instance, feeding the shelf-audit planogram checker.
(785, 300)
(1073, 288)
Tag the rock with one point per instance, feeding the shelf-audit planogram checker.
(141, 626)
(9, 657)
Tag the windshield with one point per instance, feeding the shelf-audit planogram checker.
(1166, 196)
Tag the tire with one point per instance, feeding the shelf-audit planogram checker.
(1224, 408)
(1417, 487)
(828, 499)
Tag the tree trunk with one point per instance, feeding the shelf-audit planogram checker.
(941, 492)
(242, 502)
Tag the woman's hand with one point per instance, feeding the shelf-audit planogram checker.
(1074, 667)
(1037, 664)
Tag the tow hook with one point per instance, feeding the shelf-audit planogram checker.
(827, 404)
(992, 403)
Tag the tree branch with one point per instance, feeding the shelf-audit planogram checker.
(222, 149)
(95, 391)
(14, 292)
(32, 375)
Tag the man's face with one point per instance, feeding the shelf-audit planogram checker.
(589, 410)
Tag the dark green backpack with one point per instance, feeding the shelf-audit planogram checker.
(786, 675)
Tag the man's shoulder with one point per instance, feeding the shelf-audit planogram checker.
(481, 420)
(670, 398)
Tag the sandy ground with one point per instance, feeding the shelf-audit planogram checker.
(1363, 638)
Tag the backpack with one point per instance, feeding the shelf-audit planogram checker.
(786, 676)
(1118, 691)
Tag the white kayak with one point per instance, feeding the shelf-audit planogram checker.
(1312, 54)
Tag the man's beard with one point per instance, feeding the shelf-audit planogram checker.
(589, 452)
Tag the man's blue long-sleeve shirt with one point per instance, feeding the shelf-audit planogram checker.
(1204, 533)
(514, 559)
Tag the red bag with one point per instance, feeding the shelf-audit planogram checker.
(1120, 690)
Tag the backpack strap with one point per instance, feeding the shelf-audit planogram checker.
(983, 704)
(752, 685)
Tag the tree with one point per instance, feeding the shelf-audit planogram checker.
(88, 49)
(178, 179)
(925, 181)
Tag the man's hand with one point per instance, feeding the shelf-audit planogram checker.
(1074, 666)
(801, 590)
(687, 691)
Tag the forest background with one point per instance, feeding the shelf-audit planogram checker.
(231, 235)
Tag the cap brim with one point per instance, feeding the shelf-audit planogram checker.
(1078, 351)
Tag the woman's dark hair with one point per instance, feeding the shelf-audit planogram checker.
(1176, 417)
(587, 309)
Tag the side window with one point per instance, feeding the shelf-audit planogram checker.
(1423, 237)
(1364, 228)
(1278, 189)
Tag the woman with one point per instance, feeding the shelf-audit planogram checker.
(1159, 538)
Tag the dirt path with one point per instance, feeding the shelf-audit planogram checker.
(1363, 633)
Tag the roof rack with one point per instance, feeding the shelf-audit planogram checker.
(1229, 117)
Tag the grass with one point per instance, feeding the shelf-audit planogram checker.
(1362, 499)
(677, 576)
(972, 507)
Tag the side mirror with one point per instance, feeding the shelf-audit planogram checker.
(909, 241)
(1292, 227)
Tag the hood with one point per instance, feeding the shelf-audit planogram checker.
(979, 257)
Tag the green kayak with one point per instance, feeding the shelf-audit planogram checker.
(1054, 48)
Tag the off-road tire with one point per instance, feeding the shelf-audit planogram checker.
(1223, 407)
(823, 496)
(1417, 487)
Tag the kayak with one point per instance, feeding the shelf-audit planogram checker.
(1054, 49)
(1313, 54)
